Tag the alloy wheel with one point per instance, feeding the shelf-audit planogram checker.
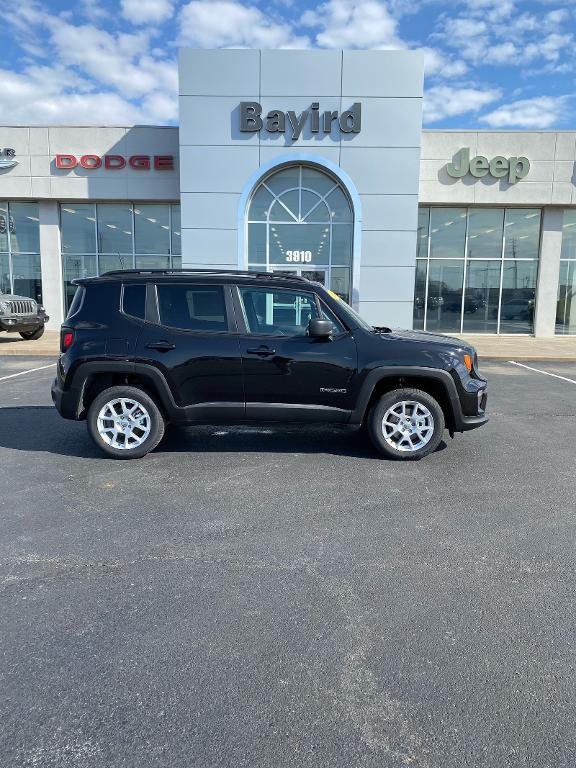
(408, 426)
(123, 423)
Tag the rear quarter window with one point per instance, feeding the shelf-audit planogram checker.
(76, 302)
(134, 301)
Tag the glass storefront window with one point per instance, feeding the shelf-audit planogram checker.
(108, 262)
(76, 266)
(5, 286)
(20, 271)
(114, 229)
(152, 229)
(518, 296)
(447, 233)
(420, 294)
(24, 228)
(566, 307)
(100, 237)
(485, 233)
(78, 227)
(422, 240)
(340, 282)
(522, 233)
(569, 235)
(481, 297)
(26, 275)
(444, 303)
(152, 262)
(4, 228)
(300, 220)
(478, 272)
(339, 206)
(176, 233)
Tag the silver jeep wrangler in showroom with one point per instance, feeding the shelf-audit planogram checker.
(19, 314)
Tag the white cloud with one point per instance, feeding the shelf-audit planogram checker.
(55, 96)
(98, 75)
(443, 101)
(147, 11)
(227, 23)
(437, 63)
(354, 24)
(538, 113)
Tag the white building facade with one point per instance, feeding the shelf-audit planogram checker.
(309, 162)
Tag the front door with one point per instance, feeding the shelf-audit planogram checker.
(195, 345)
(287, 374)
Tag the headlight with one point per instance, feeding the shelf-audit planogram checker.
(4, 307)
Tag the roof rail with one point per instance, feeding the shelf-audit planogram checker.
(234, 272)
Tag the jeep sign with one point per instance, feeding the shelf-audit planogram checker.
(252, 121)
(515, 168)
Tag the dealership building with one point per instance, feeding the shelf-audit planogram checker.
(312, 163)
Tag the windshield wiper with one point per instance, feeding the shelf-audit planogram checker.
(381, 329)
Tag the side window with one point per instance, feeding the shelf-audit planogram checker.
(192, 307)
(285, 313)
(327, 314)
(76, 301)
(134, 301)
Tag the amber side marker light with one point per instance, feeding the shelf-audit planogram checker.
(468, 362)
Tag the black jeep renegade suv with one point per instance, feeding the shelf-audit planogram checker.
(140, 348)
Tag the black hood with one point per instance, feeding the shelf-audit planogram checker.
(431, 338)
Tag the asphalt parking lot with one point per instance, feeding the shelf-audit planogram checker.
(283, 597)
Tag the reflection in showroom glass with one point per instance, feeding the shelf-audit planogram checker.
(476, 269)
(100, 237)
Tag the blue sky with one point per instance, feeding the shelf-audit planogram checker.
(501, 64)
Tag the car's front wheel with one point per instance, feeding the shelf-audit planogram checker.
(33, 335)
(125, 422)
(406, 424)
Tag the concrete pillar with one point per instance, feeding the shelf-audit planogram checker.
(548, 272)
(51, 262)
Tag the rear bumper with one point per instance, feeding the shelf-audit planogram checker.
(66, 401)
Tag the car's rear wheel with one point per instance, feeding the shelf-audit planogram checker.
(33, 335)
(406, 424)
(125, 422)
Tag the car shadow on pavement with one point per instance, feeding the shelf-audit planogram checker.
(39, 428)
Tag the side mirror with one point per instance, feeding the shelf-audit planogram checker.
(320, 329)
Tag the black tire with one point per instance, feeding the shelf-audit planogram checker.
(156, 422)
(394, 398)
(33, 335)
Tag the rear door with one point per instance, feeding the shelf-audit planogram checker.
(192, 339)
(287, 374)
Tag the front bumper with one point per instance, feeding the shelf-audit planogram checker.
(26, 323)
(473, 422)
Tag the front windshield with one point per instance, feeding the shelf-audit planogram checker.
(350, 313)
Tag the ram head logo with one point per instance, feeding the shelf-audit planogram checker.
(7, 159)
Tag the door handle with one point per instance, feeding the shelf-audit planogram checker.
(163, 346)
(261, 351)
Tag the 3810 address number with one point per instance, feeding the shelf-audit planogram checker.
(299, 256)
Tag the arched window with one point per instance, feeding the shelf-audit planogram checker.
(300, 221)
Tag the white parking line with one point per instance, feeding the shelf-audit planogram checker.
(546, 373)
(31, 370)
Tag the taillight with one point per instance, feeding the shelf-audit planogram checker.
(67, 340)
